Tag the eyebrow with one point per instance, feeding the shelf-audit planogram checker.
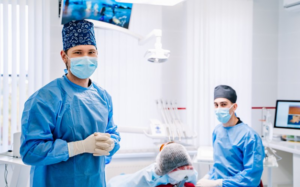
(222, 102)
(80, 50)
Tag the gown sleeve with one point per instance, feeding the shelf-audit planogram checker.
(212, 170)
(253, 151)
(112, 130)
(38, 146)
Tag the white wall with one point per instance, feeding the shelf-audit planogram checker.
(265, 57)
(276, 58)
(288, 70)
(289, 54)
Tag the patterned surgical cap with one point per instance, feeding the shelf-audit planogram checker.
(77, 33)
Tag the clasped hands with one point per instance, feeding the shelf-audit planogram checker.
(98, 144)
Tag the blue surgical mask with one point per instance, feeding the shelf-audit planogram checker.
(223, 114)
(83, 67)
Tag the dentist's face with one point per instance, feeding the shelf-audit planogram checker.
(225, 103)
(78, 51)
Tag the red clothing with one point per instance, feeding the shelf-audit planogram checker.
(187, 184)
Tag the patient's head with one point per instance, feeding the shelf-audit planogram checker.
(172, 156)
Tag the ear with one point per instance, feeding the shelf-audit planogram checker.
(63, 56)
(235, 106)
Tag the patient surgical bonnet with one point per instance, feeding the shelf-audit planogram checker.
(171, 157)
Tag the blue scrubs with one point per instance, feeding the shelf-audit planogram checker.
(59, 113)
(238, 156)
(144, 178)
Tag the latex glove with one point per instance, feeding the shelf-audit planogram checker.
(209, 183)
(88, 146)
(205, 177)
(103, 144)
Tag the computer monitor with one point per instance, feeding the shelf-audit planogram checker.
(287, 118)
(106, 11)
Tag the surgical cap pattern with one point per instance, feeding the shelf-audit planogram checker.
(171, 157)
(77, 33)
(224, 91)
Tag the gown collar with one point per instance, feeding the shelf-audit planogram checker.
(77, 86)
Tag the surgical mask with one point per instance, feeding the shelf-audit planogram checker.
(176, 177)
(83, 67)
(223, 114)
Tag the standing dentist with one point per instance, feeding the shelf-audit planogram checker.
(68, 132)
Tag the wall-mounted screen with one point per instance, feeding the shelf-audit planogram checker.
(108, 11)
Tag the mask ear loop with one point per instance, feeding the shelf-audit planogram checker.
(231, 107)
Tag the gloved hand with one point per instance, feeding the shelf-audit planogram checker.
(205, 177)
(209, 183)
(89, 145)
(103, 144)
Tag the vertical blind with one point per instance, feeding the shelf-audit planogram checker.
(219, 49)
(24, 59)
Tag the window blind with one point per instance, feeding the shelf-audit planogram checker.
(24, 59)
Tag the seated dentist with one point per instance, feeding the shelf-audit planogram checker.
(238, 149)
(173, 167)
(68, 132)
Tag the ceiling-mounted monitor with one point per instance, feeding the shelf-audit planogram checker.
(108, 11)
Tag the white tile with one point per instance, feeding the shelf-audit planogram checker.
(264, 94)
(266, 5)
(265, 21)
(174, 41)
(264, 70)
(289, 21)
(265, 46)
(289, 91)
(289, 45)
(288, 71)
(173, 70)
(174, 17)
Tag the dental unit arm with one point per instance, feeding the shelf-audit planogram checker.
(156, 55)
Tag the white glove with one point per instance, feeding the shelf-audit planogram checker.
(89, 145)
(209, 183)
(205, 177)
(103, 144)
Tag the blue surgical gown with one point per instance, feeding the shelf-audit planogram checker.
(238, 156)
(59, 113)
(146, 177)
